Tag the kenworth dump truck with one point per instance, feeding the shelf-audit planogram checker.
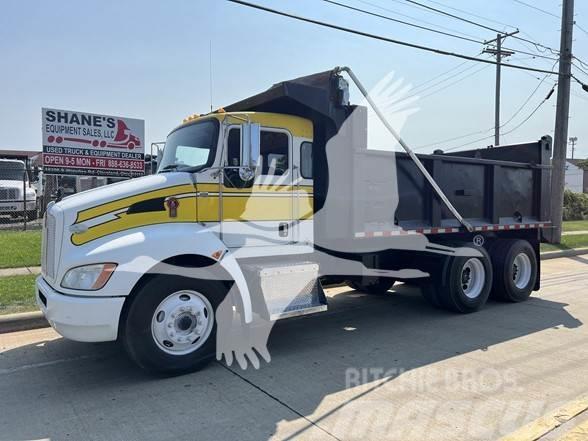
(261, 203)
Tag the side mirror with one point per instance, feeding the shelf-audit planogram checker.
(250, 144)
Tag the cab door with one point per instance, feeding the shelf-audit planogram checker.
(258, 211)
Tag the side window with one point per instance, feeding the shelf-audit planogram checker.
(234, 147)
(306, 160)
(274, 151)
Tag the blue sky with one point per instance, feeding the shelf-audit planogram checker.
(150, 60)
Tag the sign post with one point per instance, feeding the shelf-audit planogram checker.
(87, 144)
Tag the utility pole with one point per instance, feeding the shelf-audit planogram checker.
(573, 141)
(560, 141)
(498, 53)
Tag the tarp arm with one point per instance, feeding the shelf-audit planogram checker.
(410, 153)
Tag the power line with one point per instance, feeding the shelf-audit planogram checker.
(533, 112)
(581, 28)
(536, 8)
(448, 14)
(472, 14)
(374, 14)
(581, 62)
(420, 20)
(453, 83)
(579, 68)
(514, 128)
(386, 39)
(525, 102)
(457, 17)
(441, 75)
(528, 53)
(521, 107)
(468, 38)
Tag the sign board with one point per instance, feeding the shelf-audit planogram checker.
(78, 143)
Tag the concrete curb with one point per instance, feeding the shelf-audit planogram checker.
(23, 271)
(564, 253)
(22, 322)
(33, 320)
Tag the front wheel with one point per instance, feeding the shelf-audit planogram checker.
(169, 326)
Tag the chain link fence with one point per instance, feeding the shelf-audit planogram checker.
(26, 192)
(19, 197)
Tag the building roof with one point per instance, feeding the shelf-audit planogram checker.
(19, 154)
(582, 163)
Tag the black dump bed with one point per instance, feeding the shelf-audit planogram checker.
(374, 193)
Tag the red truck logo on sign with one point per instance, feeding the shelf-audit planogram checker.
(124, 138)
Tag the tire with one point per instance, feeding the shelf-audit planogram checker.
(31, 215)
(371, 285)
(463, 284)
(515, 269)
(430, 289)
(140, 324)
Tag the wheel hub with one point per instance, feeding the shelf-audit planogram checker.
(182, 322)
(473, 278)
(521, 270)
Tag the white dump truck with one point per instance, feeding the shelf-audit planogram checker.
(18, 198)
(268, 199)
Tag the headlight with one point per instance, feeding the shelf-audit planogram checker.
(88, 277)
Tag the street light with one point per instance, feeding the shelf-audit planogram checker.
(573, 140)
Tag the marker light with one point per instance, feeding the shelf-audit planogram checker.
(88, 277)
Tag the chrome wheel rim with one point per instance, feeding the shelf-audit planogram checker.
(521, 270)
(473, 277)
(182, 322)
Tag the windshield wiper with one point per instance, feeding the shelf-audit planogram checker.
(170, 167)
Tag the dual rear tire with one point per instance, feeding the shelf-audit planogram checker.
(515, 264)
(463, 284)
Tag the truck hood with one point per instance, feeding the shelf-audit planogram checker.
(90, 206)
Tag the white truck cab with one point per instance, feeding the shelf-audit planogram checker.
(230, 186)
(16, 190)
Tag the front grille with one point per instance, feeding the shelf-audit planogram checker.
(48, 258)
(7, 194)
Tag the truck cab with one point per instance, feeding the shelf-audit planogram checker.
(252, 197)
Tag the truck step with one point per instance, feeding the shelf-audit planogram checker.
(292, 290)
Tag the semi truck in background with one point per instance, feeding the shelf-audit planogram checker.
(18, 197)
(272, 197)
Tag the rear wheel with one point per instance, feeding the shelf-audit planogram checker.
(462, 284)
(515, 269)
(371, 285)
(169, 327)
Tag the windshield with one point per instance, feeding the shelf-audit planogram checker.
(11, 172)
(191, 146)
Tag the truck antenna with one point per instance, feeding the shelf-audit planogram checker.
(210, 70)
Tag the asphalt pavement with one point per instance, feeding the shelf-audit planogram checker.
(372, 367)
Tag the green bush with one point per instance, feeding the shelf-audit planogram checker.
(575, 206)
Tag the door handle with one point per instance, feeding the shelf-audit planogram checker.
(283, 229)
